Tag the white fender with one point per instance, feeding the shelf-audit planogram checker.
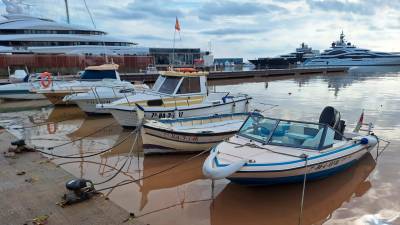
(215, 173)
(369, 140)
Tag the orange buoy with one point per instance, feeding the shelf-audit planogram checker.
(186, 70)
(52, 128)
(45, 79)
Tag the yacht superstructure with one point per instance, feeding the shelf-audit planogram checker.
(343, 53)
(23, 33)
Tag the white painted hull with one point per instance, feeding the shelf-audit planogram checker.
(258, 166)
(89, 105)
(389, 61)
(28, 96)
(179, 142)
(126, 118)
(130, 118)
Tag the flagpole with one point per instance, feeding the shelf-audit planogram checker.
(173, 50)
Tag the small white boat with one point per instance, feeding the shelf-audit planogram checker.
(176, 95)
(94, 76)
(189, 134)
(21, 90)
(103, 95)
(272, 151)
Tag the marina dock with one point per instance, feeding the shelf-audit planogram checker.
(216, 75)
(39, 186)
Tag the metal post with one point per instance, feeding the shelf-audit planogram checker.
(67, 10)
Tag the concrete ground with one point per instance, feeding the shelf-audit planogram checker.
(36, 193)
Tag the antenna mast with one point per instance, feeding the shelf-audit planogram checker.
(67, 10)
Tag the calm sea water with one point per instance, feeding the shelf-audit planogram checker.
(364, 194)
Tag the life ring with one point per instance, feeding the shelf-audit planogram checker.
(45, 79)
(52, 128)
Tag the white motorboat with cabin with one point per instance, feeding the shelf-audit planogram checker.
(272, 151)
(105, 75)
(176, 95)
(343, 53)
(103, 95)
(189, 134)
(22, 90)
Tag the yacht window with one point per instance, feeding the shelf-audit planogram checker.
(189, 85)
(169, 85)
(336, 52)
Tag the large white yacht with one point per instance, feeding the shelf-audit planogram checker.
(23, 33)
(343, 53)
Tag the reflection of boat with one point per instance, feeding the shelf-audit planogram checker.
(104, 125)
(190, 134)
(343, 53)
(183, 174)
(272, 151)
(176, 95)
(94, 76)
(278, 205)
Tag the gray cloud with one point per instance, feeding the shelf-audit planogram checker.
(141, 10)
(210, 10)
(361, 8)
(232, 31)
(150, 38)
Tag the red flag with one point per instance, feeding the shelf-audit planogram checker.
(177, 26)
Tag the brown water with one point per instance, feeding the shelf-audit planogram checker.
(364, 194)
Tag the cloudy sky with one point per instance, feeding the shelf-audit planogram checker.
(238, 28)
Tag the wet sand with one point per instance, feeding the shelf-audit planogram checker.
(364, 194)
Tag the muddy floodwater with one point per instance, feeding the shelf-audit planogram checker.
(366, 193)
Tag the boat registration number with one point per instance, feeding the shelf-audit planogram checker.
(160, 115)
(329, 164)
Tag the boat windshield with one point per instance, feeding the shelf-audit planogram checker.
(169, 85)
(98, 74)
(288, 133)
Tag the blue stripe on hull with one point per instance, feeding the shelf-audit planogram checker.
(13, 92)
(292, 179)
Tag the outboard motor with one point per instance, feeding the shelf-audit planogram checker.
(331, 117)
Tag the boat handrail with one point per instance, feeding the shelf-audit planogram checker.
(268, 139)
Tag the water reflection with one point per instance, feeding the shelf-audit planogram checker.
(280, 204)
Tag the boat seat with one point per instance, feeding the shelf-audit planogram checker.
(315, 141)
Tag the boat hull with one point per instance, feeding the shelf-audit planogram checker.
(389, 61)
(89, 105)
(130, 118)
(155, 140)
(314, 170)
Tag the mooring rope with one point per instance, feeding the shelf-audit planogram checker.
(156, 173)
(304, 188)
(86, 156)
